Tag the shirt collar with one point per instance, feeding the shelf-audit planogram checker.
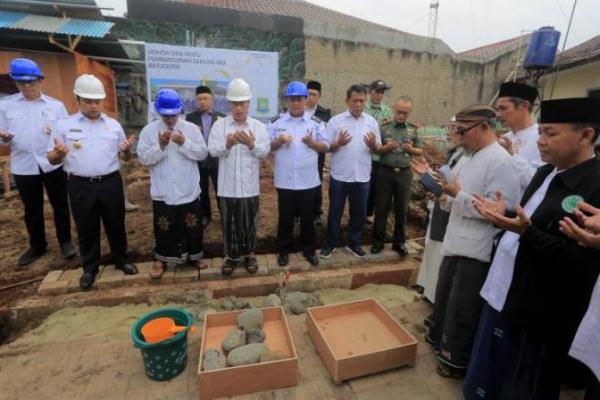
(80, 117)
(288, 116)
(177, 125)
(233, 123)
(573, 176)
(348, 115)
(373, 105)
(42, 97)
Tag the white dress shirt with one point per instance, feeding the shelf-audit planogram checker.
(352, 162)
(488, 170)
(93, 144)
(526, 153)
(586, 345)
(31, 123)
(310, 111)
(174, 175)
(295, 162)
(239, 167)
(496, 286)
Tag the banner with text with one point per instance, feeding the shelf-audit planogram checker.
(183, 68)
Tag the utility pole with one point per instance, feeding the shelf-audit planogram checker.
(431, 33)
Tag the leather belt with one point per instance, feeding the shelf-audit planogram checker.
(395, 169)
(94, 179)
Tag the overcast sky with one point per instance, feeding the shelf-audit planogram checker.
(465, 24)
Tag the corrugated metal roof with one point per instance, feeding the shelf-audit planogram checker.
(41, 23)
(85, 28)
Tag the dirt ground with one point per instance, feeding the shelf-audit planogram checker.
(140, 233)
(98, 360)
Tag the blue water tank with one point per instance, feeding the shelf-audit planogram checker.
(542, 48)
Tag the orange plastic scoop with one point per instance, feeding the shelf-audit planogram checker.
(160, 329)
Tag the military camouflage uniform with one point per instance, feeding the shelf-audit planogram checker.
(394, 178)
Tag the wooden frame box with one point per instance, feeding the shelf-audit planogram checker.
(359, 338)
(270, 375)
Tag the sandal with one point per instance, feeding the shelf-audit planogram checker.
(228, 267)
(451, 373)
(251, 265)
(158, 269)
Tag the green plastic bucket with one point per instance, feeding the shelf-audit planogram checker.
(167, 359)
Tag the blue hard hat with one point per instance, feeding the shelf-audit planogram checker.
(168, 102)
(296, 89)
(23, 69)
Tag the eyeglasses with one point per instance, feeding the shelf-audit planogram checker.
(463, 131)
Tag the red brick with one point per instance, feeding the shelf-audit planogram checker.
(186, 275)
(398, 274)
(110, 281)
(52, 276)
(53, 288)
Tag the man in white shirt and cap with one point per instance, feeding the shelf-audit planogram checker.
(514, 109)
(240, 142)
(26, 122)
(171, 147)
(297, 139)
(89, 144)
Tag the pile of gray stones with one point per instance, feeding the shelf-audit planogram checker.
(246, 344)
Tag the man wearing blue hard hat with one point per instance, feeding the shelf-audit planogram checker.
(171, 148)
(89, 144)
(26, 121)
(297, 139)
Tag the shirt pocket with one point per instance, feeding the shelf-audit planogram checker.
(110, 141)
(472, 229)
(15, 119)
(76, 140)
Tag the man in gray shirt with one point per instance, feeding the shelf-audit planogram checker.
(485, 169)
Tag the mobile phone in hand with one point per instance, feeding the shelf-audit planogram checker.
(429, 182)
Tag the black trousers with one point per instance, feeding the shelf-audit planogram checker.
(289, 204)
(392, 186)
(319, 193)
(92, 202)
(457, 308)
(206, 175)
(31, 190)
(372, 188)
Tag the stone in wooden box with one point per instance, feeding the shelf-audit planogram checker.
(359, 338)
(245, 379)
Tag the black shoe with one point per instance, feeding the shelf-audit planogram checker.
(128, 268)
(68, 250)
(30, 256)
(326, 252)
(356, 251)
(311, 258)
(376, 248)
(87, 281)
(401, 249)
(283, 259)
(418, 288)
